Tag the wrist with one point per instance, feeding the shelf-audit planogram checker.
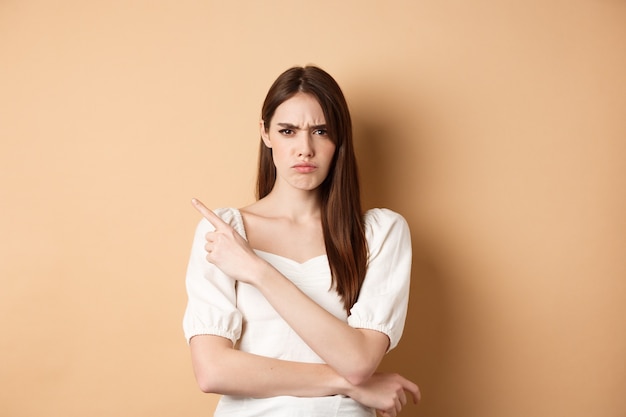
(260, 272)
(264, 276)
(344, 387)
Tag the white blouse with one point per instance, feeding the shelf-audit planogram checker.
(218, 305)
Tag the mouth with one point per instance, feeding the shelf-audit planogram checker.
(304, 167)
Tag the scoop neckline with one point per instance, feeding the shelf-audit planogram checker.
(286, 258)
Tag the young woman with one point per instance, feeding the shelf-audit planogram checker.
(295, 299)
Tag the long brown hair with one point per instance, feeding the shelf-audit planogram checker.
(342, 218)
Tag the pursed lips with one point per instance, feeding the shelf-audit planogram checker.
(305, 167)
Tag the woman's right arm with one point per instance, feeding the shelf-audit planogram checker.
(221, 369)
(213, 323)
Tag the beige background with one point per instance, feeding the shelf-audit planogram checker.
(496, 128)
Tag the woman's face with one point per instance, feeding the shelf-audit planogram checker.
(301, 148)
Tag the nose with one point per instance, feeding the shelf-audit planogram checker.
(305, 145)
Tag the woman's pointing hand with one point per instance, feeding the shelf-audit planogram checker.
(227, 249)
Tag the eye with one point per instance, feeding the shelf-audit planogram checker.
(320, 132)
(286, 132)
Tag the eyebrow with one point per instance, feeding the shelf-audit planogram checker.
(294, 127)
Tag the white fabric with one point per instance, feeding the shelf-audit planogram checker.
(217, 305)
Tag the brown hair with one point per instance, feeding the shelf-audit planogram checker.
(342, 218)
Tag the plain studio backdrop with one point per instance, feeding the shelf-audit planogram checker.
(497, 128)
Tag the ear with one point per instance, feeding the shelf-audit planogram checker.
(264, 134)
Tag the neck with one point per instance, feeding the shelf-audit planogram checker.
(294, 204)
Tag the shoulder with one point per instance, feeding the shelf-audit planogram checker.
(385, 227)
(229, 215)
(378, 219)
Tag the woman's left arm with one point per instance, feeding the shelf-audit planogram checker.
(354, 353)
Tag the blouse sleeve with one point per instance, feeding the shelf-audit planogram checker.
(384, 296)
(212, 300)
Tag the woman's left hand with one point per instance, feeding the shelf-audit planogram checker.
(385, 392)
(227, 249)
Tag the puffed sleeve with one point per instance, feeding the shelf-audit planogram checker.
(211, 295)
(384, 296)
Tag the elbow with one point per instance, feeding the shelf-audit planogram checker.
(356, 380)
(208, 358)
(359, 374)
(205, 386)
(208, 383)
(211, 378)
(364, 362)
(207, 389)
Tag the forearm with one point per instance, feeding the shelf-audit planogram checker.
(223, 370)
(353, 353)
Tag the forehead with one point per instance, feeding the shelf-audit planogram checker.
(299, 109)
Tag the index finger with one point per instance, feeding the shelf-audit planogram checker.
(208, 214)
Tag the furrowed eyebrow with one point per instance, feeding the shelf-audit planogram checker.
(294, 127)
(288, 126)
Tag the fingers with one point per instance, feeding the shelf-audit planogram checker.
(401, 401)
(415, 392)
(398, 406)
(208, 214)
(409, 386)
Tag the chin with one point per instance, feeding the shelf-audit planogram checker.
(307, 187)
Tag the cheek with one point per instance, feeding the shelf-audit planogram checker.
(329, 151)
(278, 154)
